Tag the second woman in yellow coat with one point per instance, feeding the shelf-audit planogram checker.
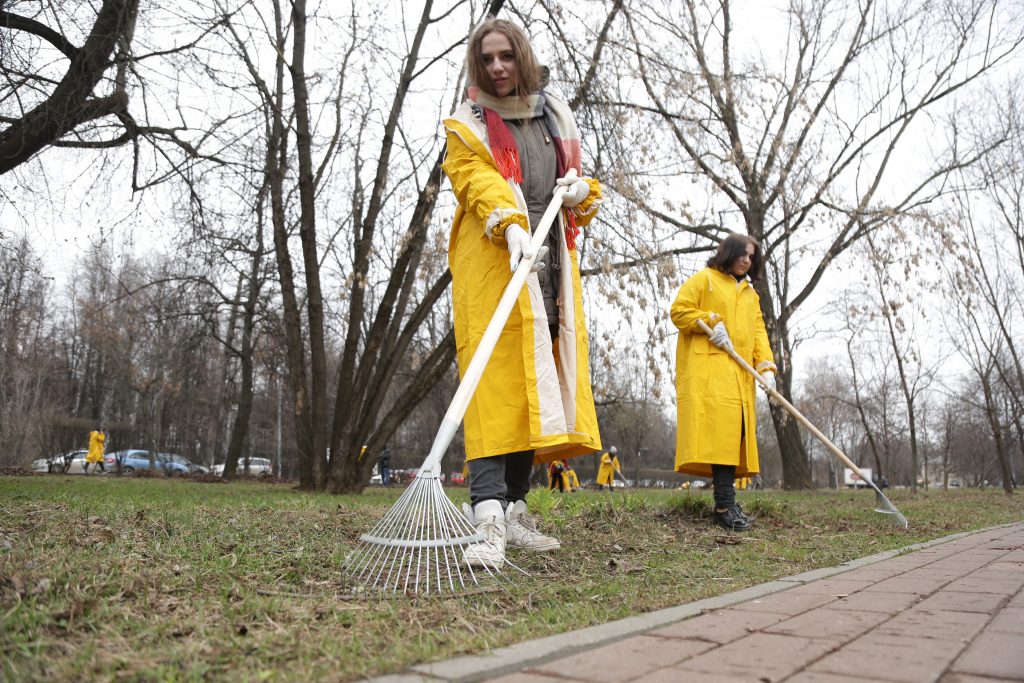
(609, 468)
(508, 146)
(716, 413)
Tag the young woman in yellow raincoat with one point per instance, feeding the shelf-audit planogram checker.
(509, 145)
(97, 439)
(715, 397)
(609, 468)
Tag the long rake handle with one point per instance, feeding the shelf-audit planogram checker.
(781, 400)
(475, 371)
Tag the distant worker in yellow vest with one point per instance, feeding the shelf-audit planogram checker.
(97, 439)
(609, 468)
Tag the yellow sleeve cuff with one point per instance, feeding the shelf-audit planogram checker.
(498, 222)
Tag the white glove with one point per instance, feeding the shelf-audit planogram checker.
(719, 337)
(769, 379)
(577, 189)
(519, 248)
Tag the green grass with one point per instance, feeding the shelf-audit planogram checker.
(169, 580)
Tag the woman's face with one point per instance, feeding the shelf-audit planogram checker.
(500, 62)
(742, 263)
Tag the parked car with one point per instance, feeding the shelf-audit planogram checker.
(133, 460)
(68, 463)
(258, 467)
(193, 468)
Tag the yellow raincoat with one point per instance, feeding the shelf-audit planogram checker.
(715, 396)
(96, 441)
(609, 466)
(572, 481)
(534, 395)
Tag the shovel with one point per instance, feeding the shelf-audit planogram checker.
(882, 504)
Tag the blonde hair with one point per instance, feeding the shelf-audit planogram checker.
(528, 74)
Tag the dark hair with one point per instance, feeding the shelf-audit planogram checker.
(528, 72)
(731, 248)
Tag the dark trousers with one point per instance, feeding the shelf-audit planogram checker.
(505, 478)
(724, 479)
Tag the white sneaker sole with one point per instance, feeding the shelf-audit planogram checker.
(538, 547)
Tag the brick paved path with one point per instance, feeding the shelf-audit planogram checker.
(951, 611)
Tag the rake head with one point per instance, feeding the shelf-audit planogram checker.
(417, 547)
(885, 506)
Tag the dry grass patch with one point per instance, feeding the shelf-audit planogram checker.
(109, 578)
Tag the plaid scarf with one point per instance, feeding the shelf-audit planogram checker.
(558, 121)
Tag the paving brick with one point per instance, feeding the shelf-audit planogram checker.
(901, 584)
(877, 601)
(923, 623)
(968, 678)
(526, 677)
(826, 623)
(822, 677)
(965, 565)
(1008, 620)
(720, 627)
(624, 660)
(894, 658)
(834, 587)
(768, 655)
(986, 584)
(932, 572)
(1012, 571)
(791, 602)
(993, 654)
(954, 601)
(675, 675)
(870, 573)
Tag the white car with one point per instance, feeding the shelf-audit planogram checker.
(258, 467)
(74, 461)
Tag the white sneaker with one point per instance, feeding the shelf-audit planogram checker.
(522, 531)
(489, 519)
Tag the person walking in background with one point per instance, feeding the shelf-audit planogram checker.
(716, 428)
(509, 145)
(97, 441)
(384, 467)
(609, 468)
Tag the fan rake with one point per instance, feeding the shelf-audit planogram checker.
(417, 548)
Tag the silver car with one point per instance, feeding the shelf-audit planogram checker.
(64, 463)
(258, 467)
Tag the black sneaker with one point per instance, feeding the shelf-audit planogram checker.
(744, 515)
(732, 519)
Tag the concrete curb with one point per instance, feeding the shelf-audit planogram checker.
(505, 660)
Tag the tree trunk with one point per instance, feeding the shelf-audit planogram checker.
(310, 258)
(995, 424)
(796, 466)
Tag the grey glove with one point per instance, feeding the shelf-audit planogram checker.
(720, 337)
(519, 248)
(769, 379)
